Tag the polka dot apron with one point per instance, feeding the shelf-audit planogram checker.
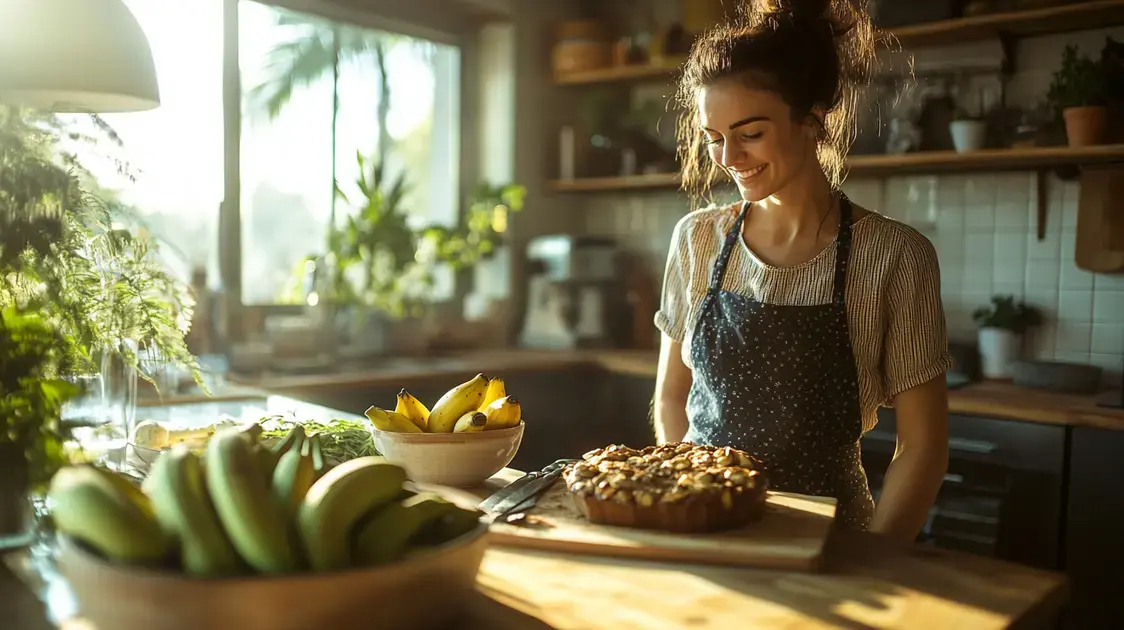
(780, 382)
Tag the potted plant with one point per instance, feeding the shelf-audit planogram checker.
(32, 355)
(379, 270)
(1080, 90)
(1002, 325)
(969, 131)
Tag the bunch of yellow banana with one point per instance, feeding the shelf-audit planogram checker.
(244, 508)
(478, 404)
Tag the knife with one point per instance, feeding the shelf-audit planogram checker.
(523, 492)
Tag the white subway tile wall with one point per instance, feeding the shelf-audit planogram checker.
(983, 228)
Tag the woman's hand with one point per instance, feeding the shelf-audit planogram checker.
(673, 383)
(920, 462)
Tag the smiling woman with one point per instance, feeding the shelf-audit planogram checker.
(789, 318)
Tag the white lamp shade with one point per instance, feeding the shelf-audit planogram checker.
(75, 56)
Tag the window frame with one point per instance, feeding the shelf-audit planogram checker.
(446, 27)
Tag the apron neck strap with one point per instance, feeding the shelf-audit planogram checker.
(842, 250)
(732, 236)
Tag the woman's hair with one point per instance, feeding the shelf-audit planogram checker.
(814, 54)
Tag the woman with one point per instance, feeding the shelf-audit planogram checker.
(790, 317)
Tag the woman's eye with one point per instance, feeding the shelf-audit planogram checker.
(712, 141)
(751, 136)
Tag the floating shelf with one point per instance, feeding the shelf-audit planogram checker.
(987, 160)
(1030, 22)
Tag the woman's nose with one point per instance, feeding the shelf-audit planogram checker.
(730, 154)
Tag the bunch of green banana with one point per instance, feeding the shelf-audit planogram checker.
(220, 514)
(478, 404)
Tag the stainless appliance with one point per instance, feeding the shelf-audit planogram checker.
(574, 293)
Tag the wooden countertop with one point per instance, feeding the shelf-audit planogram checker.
(867, 583)
(989, 399)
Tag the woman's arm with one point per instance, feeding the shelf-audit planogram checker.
(673, 382)
(914, 477)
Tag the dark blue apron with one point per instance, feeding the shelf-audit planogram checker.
(780, 383)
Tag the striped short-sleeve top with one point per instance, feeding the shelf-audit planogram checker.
(893, 294)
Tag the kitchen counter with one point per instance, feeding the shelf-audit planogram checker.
(988, 399)
(867, 583)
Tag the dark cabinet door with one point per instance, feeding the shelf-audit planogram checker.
(1094, 538)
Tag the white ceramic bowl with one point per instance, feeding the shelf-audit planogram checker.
(429, 590)
(450, 459)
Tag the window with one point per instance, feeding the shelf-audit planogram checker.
(174, 153)
(296, 146)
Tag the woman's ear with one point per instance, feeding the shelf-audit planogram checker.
(816, 120)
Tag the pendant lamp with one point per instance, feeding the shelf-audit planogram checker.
(75, 56)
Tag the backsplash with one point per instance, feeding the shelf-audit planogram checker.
(983, 228)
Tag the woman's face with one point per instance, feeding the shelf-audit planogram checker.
(751, 135)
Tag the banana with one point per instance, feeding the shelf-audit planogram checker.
(185, 511)
(241, 493)
(496, 390)
(471, 422)
(337, 501)
(503, 413)
(391, 421)
(292, 478)
(314, 448)
(414, 410)
(385, 536)
(292, 441)
(107, 513)
(455, 403)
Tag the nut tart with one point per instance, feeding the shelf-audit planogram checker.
(677, 487)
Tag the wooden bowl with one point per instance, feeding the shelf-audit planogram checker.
(450, 459)
(425, 591)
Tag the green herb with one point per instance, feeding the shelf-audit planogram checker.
(341, 440)
(1080, 82)
(1007, 314)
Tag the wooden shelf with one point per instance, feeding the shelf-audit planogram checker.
(618, 74)
(1030, 22)
(1026, 23)
(987, 160)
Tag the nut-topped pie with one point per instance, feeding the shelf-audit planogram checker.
(679, 487)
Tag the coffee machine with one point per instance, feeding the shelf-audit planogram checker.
(574, 293)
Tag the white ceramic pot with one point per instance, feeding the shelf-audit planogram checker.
(968, 135)
(999, 350)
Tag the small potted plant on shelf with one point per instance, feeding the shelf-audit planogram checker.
(969, 131)
(1080, 90)
(1002, 325)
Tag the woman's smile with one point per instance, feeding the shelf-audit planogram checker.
(745, 176)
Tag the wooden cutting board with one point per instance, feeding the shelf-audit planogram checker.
(789, 536)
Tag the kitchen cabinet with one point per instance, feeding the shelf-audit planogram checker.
(1003, 495)
(1094, 532)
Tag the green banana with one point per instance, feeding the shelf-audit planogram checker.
(292, 478)
(107, 513)
(314, 448)
(450, 526)
(292, 441)
(337, 501)
(245, 505)
(455, 403)
(270, 455)
(185, 511)
(386, 535)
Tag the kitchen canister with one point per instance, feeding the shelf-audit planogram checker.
(581, 46)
